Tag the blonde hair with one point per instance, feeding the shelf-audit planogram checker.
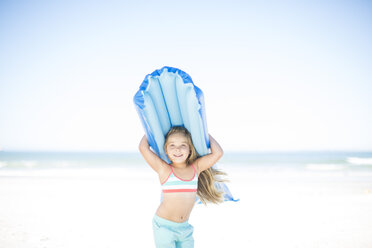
(207, 191)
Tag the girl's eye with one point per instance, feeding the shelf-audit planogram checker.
(183, 146)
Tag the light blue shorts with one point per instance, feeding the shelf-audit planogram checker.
(169, 234)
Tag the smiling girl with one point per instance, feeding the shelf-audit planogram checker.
(187, 177)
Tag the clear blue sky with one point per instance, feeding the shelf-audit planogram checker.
(285, 75)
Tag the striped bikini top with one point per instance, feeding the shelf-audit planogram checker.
(174, 184)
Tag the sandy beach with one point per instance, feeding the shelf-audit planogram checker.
(62, 208)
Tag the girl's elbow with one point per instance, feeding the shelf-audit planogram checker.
(142, 148)
(143, 144)
(217, 151)
(220, 153)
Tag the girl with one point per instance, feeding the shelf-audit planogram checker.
(187, 176)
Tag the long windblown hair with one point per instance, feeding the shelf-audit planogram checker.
(207, 191)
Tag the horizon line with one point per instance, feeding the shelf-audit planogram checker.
(226, 151)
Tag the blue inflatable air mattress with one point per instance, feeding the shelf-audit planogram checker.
(166, 98)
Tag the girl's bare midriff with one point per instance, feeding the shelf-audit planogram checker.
(176, 206)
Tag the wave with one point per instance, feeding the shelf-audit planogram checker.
(325, 167)
(3, 164)
(19, 164)
(359, 161)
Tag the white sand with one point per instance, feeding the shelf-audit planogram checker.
(114, 208)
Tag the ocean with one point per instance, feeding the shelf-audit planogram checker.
(322, 160)
(355, 164)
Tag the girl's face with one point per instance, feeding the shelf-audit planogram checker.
(177, 148)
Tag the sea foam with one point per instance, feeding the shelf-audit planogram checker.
(359, 161)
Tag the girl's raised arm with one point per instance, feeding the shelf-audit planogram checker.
(210, 159)
(156, 163)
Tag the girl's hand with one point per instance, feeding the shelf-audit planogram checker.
(210, 159)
